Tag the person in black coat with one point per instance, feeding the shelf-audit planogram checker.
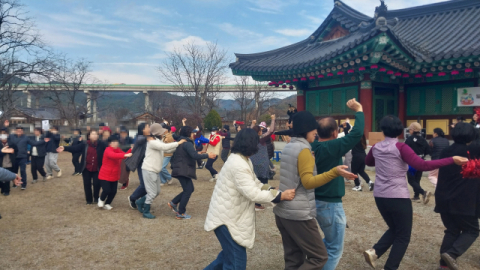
(421, 147)
(53, 140)
(92, 156)
(74, 140)
(38, 152)
(183, 168)
(457, 198)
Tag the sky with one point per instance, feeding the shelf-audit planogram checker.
(127, 40)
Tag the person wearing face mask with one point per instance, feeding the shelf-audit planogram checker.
(92, 157)
(152, 165)
(38, 155)
(110, 172)
(53, 140)
(213, 146)
(7, 159)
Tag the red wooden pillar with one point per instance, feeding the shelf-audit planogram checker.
(366, 99)
(300, 100)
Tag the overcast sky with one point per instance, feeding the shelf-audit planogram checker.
(126, 40)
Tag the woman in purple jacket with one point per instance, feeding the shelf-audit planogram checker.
(391, 159)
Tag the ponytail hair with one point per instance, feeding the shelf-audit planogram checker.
(439, 132)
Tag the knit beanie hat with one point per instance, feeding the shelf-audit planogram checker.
(157, 129)
(173, 129)
(263, 125)
(303, 122)
(415, 126)
(227, 127)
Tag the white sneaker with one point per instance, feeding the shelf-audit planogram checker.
(371, 185)
(357, 188)
(59, 173)
(49, 177)
(170, 181)
(108, 207)
(214, 178)
(370, 257)
(162, 184)
(101, 203)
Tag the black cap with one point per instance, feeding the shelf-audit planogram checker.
(227, 127)
(304, 122)
(214, 128)
(112, 138)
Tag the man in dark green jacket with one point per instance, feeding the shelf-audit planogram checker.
(328, 154)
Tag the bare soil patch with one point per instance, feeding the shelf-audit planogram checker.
(49, 226)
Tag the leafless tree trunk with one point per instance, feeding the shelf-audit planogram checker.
(261, 97)
(72, 88)
(23, 54)
(198, 72)
(244, 96)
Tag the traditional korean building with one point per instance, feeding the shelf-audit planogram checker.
(407, 62)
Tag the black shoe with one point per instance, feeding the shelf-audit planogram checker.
(416, 199)
(14, 186)
(132, 204)
(6, 193)
(88, 203)
(95, 201)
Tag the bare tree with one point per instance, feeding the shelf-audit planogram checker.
(198, 72)
(244, 96)
(261, 97)
(23, 54)
(72, 88)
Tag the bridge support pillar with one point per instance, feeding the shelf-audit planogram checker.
(148, 106)
(29, 98)
(89, 104)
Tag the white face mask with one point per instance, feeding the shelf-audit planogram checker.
(213, 132)
(3, 137)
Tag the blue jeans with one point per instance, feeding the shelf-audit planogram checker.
(332, 221)
(232, 257)
(140, 191)
(164, 174)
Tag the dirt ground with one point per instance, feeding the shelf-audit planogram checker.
(49, 226)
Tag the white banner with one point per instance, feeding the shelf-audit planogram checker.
(45, 125)
(468, 97)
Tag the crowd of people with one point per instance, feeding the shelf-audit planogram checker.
(318, 159)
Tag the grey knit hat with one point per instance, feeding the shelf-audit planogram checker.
(157, 129)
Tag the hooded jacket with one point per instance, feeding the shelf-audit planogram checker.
(112, 159)
(183, 161)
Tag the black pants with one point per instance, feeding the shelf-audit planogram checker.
(358, 168)
(76, 162)
(398, 214)
(414, 181)
(21, 163)
(461, 233)
(89, 179)
(224, 155)
(5, 186)
(37, 166)
(109, 190)
(184, 196)
(209, 166)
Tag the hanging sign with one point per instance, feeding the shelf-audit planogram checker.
(45, 125)
(468, 96)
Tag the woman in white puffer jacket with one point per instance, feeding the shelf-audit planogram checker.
(231, 213)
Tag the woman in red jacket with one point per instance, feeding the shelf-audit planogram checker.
(110, 172)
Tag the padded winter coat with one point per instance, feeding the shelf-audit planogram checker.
(233, 200)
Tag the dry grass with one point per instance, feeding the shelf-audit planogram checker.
(48, 226)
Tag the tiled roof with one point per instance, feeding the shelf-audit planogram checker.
(427, 33)
(41, 113)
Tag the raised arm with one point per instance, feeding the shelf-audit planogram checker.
(271, 129)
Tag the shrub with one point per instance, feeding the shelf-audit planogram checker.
(265, 118)
(212, 119)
